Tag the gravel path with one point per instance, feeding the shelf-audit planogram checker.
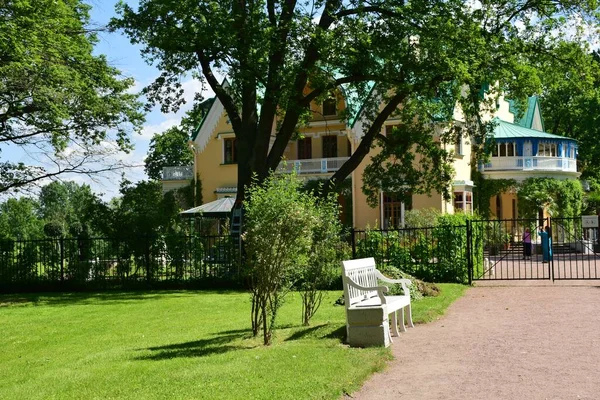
(518, 342)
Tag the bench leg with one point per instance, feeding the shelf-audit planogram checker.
(402, 326)
(395, 325)
(409, 315)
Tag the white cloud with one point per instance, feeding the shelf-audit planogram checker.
(149, 130)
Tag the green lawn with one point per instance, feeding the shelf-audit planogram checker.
(179, 345)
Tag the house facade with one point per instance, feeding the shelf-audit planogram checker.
(523, 150)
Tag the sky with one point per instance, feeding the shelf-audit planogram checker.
(127, 58)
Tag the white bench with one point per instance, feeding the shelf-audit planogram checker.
(367, 308)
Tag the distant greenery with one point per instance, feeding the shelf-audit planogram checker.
(157, 345)
(71, 210)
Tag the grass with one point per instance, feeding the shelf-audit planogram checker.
(179, 345)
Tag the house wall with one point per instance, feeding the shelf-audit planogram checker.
(364, 215)
(209, 163)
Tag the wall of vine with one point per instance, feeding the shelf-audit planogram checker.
(562, 198)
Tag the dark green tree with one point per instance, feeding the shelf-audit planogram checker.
(19, 219)
(168, 149)
(570, 104)
(56, 96)
(67, 204)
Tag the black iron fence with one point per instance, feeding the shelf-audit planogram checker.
(161, 261)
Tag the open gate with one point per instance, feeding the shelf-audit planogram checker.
(498, 250)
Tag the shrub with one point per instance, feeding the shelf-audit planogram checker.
(278, 240)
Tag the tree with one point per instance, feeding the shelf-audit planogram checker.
(168, 149)
(67, 204)
(567, 100)
(19, 219)
(282, 55)
(57, 98)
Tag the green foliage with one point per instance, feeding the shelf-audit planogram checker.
(168, 149)
(19, 219)
(67, 204)
(421, 57)
(327, 250)
(292, 239)
(54, 229)
(562, 198)
(566, 100)
(433, 254)
(410, 162)
(421, 218)
(56, 94)
(278, 239)
(485, 189)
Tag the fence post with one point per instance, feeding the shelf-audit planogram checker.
(148, 274)
(61, 243)
(469, 252)
(353, 244)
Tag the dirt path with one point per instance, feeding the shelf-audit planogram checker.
(526, 342)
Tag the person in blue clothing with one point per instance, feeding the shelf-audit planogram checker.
(546, 244)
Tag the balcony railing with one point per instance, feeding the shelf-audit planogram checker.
(531, 163)
(177, 173)
(312, 166)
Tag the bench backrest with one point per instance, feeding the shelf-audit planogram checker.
(362, 272)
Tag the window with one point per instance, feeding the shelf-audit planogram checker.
(329, 146)
(392, 211)
(330, 105)
(388, 129)
(546, 150)
(504, 150)
(305, 149)
(463, 201)
(230, 153)
(458, 148)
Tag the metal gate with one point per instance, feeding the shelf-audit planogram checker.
(533, 249)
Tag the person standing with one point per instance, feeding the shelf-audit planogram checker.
(546, 244)
(526, 244)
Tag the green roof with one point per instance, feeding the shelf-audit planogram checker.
(526, 120)
(354, 103)
(506, 130)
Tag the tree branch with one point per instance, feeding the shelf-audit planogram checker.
(220, 92)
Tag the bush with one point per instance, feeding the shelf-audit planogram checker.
(435, 254)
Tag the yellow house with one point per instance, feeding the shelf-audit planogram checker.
(329, 141)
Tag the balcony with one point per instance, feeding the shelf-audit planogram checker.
(177, 173)
(312, 166)
(530, 163)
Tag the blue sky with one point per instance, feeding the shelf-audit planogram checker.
(126, 57)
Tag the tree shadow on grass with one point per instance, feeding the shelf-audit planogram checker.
(322, 331)
(199, 348)
(96, 298)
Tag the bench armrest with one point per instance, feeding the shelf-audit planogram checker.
(380, 289)
(404, 282)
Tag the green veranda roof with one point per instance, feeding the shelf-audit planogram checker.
(214, 209)
(506, 130)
